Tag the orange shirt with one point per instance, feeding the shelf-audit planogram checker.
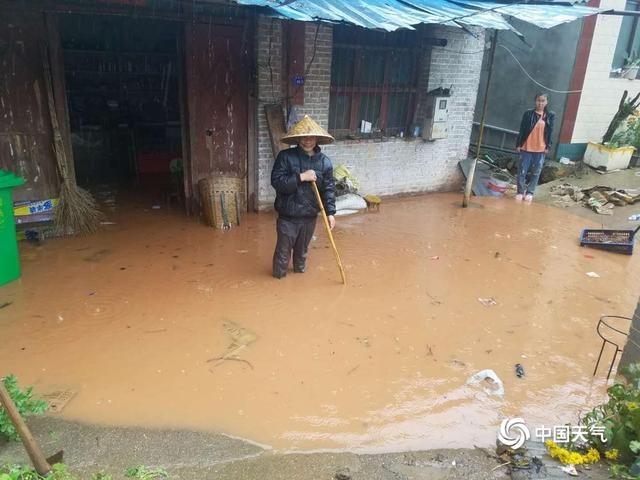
(535, 141)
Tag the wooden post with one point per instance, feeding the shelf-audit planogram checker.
(35, 454)
(326, 225)
(472, 170)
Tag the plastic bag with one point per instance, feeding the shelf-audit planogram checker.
(491, 383)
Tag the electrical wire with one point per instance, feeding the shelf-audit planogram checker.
(533, 79)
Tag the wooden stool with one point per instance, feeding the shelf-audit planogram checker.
(373, 202)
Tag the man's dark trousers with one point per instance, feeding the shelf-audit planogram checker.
(293, 234)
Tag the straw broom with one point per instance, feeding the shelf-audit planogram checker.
(77, 211)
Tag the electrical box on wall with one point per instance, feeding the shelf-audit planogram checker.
(437, 115)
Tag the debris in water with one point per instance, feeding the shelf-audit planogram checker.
(58, 398)
(240, 339)
(5, 304)
(222, 359)
(593, 275)
(519, 370)
(435, 257)
(492, 383)
(97, 256)
(458, 363)
(343, 475)
(537, 463)
(570, 469)
(488, 302)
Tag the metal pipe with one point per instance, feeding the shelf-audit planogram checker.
(472, 170)
(497, 129)
(625, 13)
(496, 149)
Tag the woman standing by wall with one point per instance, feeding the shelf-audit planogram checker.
(534, 141)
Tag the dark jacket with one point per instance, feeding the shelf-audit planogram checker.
(296, 199)
(529, 120)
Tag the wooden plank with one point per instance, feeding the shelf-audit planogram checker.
(252, 118)
(189, 189)
(54, 45)
(277, 129)
(23, 108)
(295, 58)
(190, 174)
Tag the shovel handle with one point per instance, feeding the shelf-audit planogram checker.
(328, 228)
(35, 454)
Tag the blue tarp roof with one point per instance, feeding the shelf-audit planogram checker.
(394, 14)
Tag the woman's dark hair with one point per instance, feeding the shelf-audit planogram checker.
(541, 94)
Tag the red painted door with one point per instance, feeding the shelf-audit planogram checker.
(217, 87)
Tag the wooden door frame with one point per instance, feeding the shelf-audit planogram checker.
(189, 101)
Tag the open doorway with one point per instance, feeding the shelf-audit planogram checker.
(123, 94)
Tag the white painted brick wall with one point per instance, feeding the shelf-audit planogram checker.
(397, 165)
(601, 94)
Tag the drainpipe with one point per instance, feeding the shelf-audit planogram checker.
(472, 170)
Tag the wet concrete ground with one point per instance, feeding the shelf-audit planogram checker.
(135, 319)
(188, 455)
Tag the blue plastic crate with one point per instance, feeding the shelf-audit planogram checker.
(619, 241)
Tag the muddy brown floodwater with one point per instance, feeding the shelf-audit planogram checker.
(159, 321)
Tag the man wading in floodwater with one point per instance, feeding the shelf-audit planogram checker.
(296, 203)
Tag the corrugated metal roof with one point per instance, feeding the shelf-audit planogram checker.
(394, 14)
(543, 16)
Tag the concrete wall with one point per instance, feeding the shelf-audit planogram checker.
(601, 94)
(393, 165)
(549, 58)
(631, 352)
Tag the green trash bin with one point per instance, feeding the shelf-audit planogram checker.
(9, 259)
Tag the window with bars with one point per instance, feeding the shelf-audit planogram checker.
(374, 79)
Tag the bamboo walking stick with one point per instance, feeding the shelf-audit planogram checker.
(328, 228)
(35, 454)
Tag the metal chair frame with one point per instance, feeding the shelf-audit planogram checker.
(602, 322)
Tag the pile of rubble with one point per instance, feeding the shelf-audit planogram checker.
(600, 199)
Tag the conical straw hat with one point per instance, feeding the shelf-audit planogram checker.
(307, 128)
